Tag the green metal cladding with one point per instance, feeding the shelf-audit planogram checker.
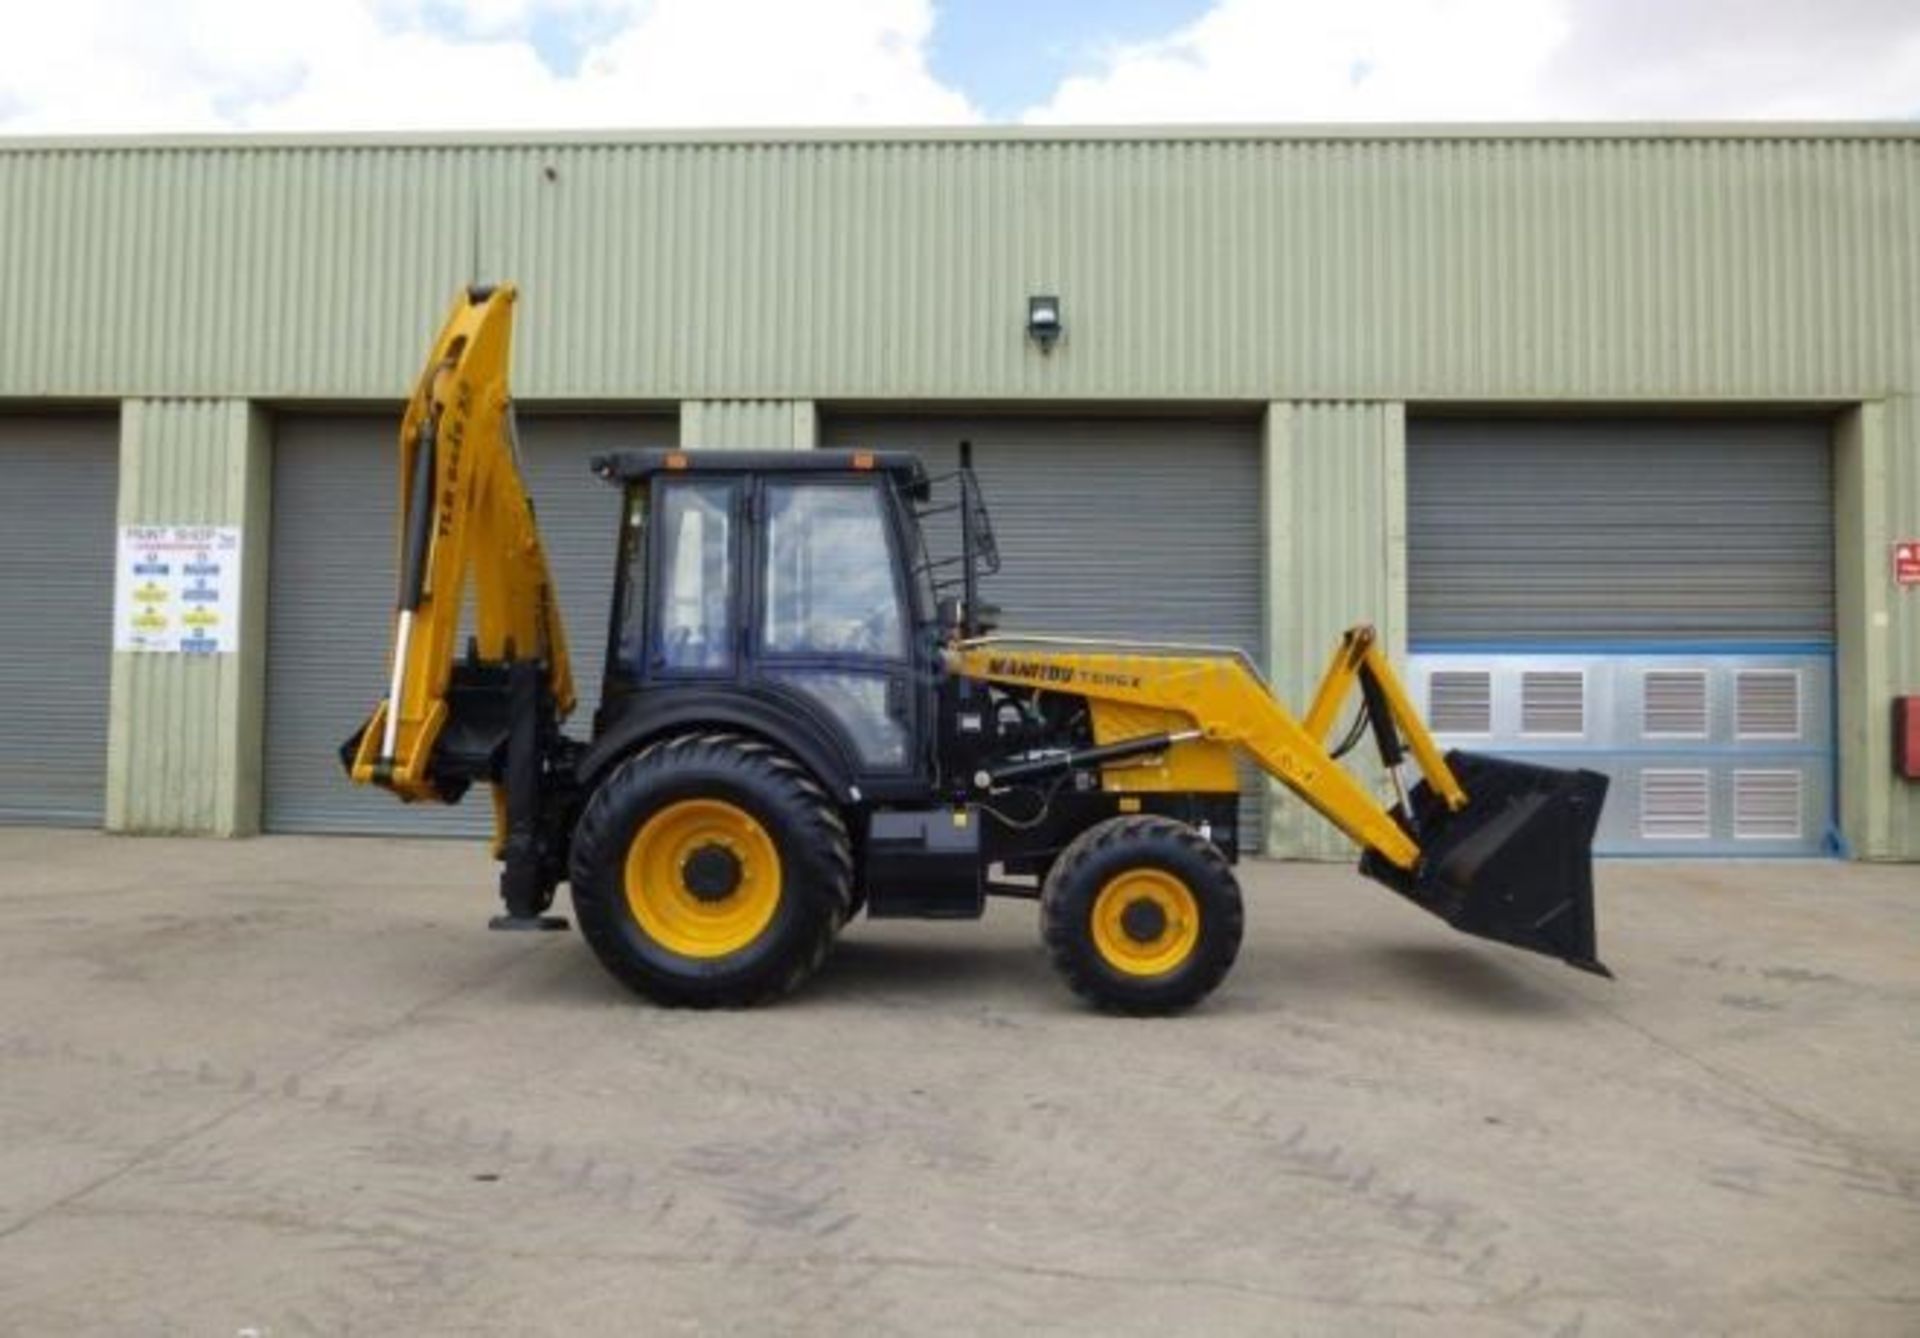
(1682, 266)
(1339, 278)
(183, 749)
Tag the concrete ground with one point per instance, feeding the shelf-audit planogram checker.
(292, 1085)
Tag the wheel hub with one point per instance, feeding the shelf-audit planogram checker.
(711, 873)
(703, 878)
(1143, 920)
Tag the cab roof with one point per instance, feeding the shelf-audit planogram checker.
(902, 467)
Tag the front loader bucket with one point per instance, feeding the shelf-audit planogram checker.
(1516, 864)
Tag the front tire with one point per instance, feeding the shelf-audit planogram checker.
(1142, 915)
(710, 870)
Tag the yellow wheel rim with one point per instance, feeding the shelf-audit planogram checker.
(1145, 922)
(703, 878)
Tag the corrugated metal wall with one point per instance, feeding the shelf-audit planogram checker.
(1139, 528)
(1356, 270)
(56, 599)
(1529, 530)
(222, 273)
(767, 425)
(185, 729)
(1336, 537)
(1336, 267)
(1901, 519)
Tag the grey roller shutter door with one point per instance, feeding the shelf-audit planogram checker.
(1143, 528)
(331, 598)
(1619, 531)
(59, 477)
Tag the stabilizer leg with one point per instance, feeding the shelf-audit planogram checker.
(526, 880)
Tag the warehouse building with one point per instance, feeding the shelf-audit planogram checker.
(1612, 431)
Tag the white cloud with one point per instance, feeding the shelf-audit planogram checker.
(1447, 60)
(1763, 59)
(801, 61)
(171, 65)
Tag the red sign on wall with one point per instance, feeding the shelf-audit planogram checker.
(1906, 562)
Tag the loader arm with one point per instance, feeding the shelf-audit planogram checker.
(1223, 698)
(464, 514)
(1496, 848)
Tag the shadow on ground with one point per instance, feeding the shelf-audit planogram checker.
(938, 968)
(1465, 977)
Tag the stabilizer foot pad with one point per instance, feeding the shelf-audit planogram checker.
(517, 924)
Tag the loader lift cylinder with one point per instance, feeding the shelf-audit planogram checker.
(1393, 752)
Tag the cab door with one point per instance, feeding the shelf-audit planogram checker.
(831, 625)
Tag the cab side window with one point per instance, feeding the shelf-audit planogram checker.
(696, 576)
(631, 615)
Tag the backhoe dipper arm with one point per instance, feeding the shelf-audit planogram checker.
(1219, 694)
(464, 510)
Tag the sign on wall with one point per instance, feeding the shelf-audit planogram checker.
(176, 589)
(1906, 562)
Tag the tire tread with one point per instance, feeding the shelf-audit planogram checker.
(821, 845)
(1066, 902)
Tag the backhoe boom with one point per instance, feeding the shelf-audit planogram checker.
(466, 512)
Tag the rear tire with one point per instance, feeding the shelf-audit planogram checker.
(711, 870)
(1142, 915)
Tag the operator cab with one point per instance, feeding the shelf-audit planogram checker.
(786, 592)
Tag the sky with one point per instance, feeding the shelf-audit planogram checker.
(152, 66)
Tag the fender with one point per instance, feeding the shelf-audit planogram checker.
(632, 719)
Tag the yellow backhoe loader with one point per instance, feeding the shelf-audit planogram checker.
(806, 714)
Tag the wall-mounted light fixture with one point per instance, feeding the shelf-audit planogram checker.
(1044, 325)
